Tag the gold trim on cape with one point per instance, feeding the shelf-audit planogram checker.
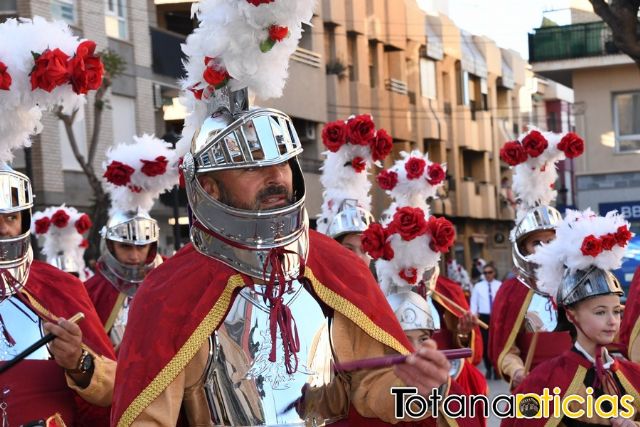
(578, 380)
(514, 331)
(114, 312)
(635, 334)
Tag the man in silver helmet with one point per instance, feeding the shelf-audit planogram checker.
(129, 253)
(347, 228)
(250, 294)
(524, 328)
(77, 370)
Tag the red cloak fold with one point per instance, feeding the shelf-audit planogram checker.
(54, 293)
(560, 372)
(192, 292)
(102, 294)
(630, 326)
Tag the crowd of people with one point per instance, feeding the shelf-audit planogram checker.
(263, 320)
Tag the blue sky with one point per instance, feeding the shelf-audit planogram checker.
(506, 21)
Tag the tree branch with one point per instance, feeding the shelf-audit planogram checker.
(601, 8)
(98, 108)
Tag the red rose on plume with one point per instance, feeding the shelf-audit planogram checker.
(436, 174)
(334, 135)
(5, 77)
(409, 223)
(134, 188)
(259, 2)
(50, 70)
(278, 33)
(381, 145)
(197, 93)
(358, 164)
(154, 167)
(513, 153)
(608, 241)
(60, 218)
(415, 167)
(85, 68)
(83, 223)
(387, 179)
(361, 129)
(534, 143)
(443, 234)
(374, 242)
(410, 275)
(84, 244)
(213, 75)
(572, 145)
(118, 173)
(623, 235)
(42, 225)
(591, 246)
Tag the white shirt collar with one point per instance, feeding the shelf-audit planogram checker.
(608, 360)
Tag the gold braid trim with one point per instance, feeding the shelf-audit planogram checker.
(576, 383)
(184, 355)
(514, 331)
(34, 302)
(635, 334)
(114, 312)
(353, 313)
(629, 388)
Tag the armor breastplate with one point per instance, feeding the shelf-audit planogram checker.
(541, 315)
(243, 387)
(24, 326)
(116, 333)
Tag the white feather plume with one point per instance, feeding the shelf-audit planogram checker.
(565, 252)
(142, 190)
(20, 107)
(458, 273)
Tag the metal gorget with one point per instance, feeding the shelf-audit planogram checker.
(24, 326)
(541, 315)
(243, 387)
(125, 278)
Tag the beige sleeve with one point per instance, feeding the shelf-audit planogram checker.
(99, 392)
(370, 389)
(187, 387)
(511, 363)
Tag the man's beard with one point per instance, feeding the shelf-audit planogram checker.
(270, 191)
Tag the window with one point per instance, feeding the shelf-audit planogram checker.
(8, 9)
(626, 119)
(352, 56)
(428, 78)
(116, 19)
(462, 83)
(373, 64)
(305, 39)
(64, 10)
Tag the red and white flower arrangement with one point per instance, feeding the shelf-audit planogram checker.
(583, 239)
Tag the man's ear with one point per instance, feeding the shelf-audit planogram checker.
(210, 185)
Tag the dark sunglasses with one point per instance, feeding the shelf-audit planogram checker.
(489, 272)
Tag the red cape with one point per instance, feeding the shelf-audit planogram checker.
(104, 297)
(630, 326)
(568, 371)
(508, 313)
(195, 292)
(53, 293)
(445, 338)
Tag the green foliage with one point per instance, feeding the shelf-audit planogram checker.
(114, 64)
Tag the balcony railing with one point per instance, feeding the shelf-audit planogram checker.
(397, 86)
(307, 57)
(571, 41)
(166, 52)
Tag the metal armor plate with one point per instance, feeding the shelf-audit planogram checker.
(24, 326)
(243, 387)
(541, 315)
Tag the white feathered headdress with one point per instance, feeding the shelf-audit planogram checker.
(534, 156)
(42, 65)
(409, 240)
(583, 239)
(458, 273)
(239, 44)
(136, 174)
(353, 146)
(62, 228)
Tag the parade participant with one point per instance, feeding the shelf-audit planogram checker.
(346, 210)
(457, 273)
(45, 67)
(630, 327)
(256, 284)
(62, 228)
(135, 176)
(524, 330)
(405, 265)
(576, 268)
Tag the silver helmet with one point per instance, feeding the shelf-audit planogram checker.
(414, 312)
(585, 284)
(66, 263)
(539, 219)
(15, 252)
(350, 218)
(133, 228)
(233, 138)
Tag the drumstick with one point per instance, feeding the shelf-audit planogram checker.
(383, 362)
(36, 345)
(458, 307)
